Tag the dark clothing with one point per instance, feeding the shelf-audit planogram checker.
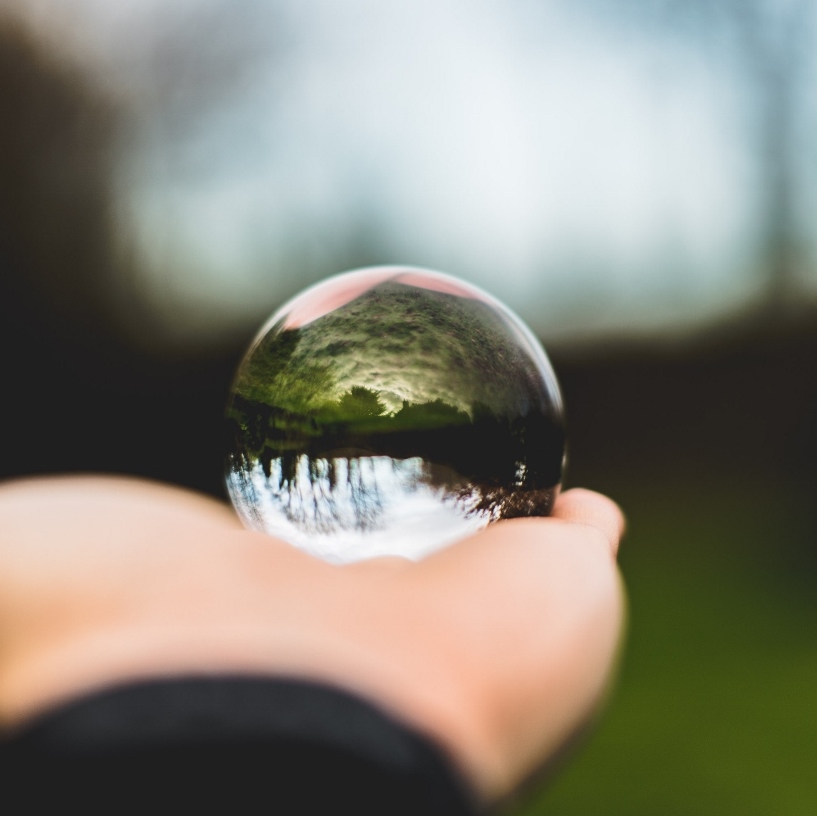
(232, 746)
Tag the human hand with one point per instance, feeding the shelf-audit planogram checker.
(497, 647)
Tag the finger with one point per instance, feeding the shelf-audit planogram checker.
(580, 506)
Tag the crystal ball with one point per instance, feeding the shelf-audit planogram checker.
(392, 411)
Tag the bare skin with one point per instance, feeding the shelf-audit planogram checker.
(497, 647)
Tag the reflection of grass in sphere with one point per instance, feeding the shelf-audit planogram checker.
(399, 373)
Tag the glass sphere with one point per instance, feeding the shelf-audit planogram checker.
(392, 411)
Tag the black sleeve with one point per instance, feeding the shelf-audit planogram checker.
(231, 746)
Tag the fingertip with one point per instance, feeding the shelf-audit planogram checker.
(582, 506)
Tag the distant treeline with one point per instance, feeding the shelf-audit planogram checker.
(524, 451)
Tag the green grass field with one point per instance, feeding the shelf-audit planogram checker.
(715, 707)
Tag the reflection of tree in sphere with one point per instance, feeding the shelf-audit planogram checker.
(391, 411)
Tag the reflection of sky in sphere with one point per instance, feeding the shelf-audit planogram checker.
(417, 336)
(412, 361)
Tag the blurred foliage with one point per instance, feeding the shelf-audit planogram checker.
(712, 451)
(714, 710)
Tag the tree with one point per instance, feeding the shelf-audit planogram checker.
(360, 403)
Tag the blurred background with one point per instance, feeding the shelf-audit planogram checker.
(637, 178)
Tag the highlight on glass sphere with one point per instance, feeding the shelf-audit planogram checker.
(392, 411)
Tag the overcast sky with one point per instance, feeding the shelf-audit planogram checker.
(591, 176)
